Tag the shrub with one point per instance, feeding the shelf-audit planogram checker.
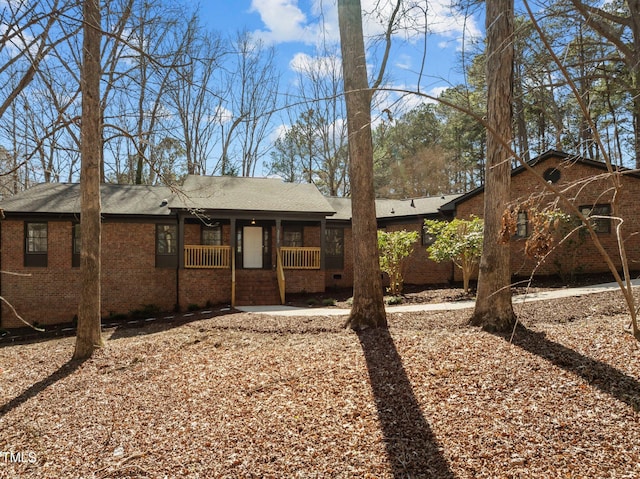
(390, 300)
(394, 247)
(459, 241)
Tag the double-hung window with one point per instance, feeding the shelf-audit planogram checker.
(166, 246)
(334, 243)
(522, 225)
(76, 244)
(212, 235)
(36, 244)
(600, 217)
(292, 236)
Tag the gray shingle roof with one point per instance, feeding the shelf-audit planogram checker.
(390, 209)
(212, 193)
(64, 198)
(250, 194)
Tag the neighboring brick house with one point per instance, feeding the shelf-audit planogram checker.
(588, 185)
(253, 240)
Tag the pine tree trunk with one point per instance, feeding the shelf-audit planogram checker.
(88, 334)
(368, 305)
(494, 310)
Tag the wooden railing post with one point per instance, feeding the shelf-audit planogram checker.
(280, 274)
(233, 279)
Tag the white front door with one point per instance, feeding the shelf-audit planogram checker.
(252, 247)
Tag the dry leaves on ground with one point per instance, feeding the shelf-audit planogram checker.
(244, 395)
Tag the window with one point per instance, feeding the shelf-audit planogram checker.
(427, 237)
(334, 252)
(75, 245)
(166, 246)
(212, 235)
(36, 244)
(292, 236)
(602, 224)
(551, 175)
(522, 224)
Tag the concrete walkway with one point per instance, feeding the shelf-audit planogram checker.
(283, 310)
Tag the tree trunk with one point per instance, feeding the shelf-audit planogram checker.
(634, 67)
(493, 310)
(368, 304)
(88, 335)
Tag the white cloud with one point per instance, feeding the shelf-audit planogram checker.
(404, 61)
(279, 132)
(222, 115)
(324, 66)
(399, 103)
(441, 19)
(312, 21)
(284, 21)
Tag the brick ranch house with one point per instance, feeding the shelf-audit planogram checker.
(244, 240)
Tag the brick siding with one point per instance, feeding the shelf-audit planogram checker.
(578, 253)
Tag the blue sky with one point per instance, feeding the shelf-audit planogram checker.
(295, 26)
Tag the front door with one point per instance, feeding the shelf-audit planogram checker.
(252, 247)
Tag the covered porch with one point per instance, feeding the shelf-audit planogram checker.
(251, 239)
(258, 256)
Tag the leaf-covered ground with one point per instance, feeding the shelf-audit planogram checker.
(243, 395)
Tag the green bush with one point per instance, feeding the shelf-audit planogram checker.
(390, 300)
(394, 248)
(459, 241)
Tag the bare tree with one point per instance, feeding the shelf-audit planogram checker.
(193, 96)
(253, 84)
(493, 310)
(88, 333)
(18, 42)
(322, 115)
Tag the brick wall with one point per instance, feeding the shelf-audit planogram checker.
(418, 268)
(50, 295)
(47, 295)
(578, 254)
(304, 281)
(204, 286)
(130, 279)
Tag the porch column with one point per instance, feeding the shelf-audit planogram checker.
(323, 242)
(180, 241)
(232, 243)
(278, 229)
(233, 238)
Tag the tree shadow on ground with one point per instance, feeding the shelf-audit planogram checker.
(412, 448)
(596, 373)
(32, 391)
